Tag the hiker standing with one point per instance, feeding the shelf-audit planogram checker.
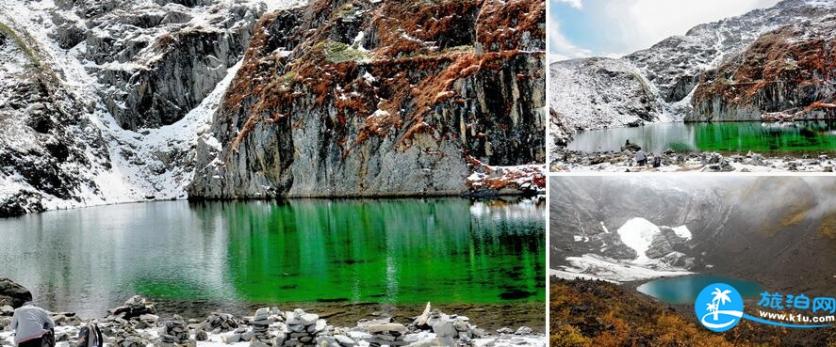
(33, 327)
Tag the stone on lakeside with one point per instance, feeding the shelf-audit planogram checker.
(13, 294)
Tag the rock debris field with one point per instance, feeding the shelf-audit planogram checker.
(136, 324)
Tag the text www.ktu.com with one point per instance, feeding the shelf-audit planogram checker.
(796, 318)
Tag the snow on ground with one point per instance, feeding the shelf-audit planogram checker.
(592, 266)
(520, 177)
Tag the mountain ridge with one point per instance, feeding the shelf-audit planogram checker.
(674, 68)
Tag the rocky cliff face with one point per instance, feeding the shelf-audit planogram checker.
(686, 75)
(78, 80)
(113, 101)
(789, 70)
(46, 146)
(155, 60)
(356, 98)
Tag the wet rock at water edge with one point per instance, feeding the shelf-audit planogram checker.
(133, 308)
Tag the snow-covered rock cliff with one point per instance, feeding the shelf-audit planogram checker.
(110, 101)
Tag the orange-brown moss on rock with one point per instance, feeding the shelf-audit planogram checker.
(788, 70)
(512, 25)
(369, 78)
(398, 26)
(417, 27)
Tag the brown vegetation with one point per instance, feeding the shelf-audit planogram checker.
(784, 62)
(586, 313)
(412, 55)
(595, 313)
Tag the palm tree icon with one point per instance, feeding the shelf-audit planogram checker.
(719, 298)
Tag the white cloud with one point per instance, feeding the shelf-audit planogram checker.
(561, 48)
(624, 26)
(574, 3)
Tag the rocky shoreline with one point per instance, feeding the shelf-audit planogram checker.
(564, 160)
(140, 322)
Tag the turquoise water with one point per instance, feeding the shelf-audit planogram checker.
(728, 137)
(398, 251)
(683, 290)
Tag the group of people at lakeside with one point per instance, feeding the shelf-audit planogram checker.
(33, 327)
(640, 156)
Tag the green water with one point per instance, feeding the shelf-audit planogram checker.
(383, 251)
(684, 290)
(729, 137)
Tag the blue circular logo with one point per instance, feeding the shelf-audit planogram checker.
(719, 307)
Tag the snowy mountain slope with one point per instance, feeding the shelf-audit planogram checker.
(601, 92)
(633, 228)
(104, 162)
(673, 68)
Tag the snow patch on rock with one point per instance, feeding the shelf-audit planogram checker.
(596, 267)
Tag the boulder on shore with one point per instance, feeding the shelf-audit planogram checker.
(13, 294)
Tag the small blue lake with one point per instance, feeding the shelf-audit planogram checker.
(684, 289)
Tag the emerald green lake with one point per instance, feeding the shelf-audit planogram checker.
(396, 251)
(812, 137)
(683, 290)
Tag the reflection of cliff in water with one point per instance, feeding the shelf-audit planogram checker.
(810, 137)
(394, 251)
(403, 251)
(780, 232)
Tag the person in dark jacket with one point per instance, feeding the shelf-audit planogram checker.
(657, 161)
(90, 336)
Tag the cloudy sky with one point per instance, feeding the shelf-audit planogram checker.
(581, 28)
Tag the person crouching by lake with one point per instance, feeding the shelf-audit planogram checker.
(641, 158)
(33, 327)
